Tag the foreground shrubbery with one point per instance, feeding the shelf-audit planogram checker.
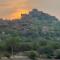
(32, 54)
(31, 49)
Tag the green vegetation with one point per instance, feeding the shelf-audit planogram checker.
(32, 55)
(36, 32)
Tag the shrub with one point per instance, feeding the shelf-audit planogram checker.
(57, 54)
(7, 55)
(32, 55)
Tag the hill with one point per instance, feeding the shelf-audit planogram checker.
(36, 23)
(37, 32)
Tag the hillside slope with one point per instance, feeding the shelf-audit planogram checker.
(36, 24)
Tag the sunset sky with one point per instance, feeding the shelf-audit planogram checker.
(14, 8)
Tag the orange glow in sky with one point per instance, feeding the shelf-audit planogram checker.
(13, 9)
(21, 8)
(17, 14)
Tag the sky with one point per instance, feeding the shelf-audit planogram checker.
(14, 8)
(49, 6)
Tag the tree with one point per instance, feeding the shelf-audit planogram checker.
(11, 43)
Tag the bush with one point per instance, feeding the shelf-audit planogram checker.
(25, 47)
(45, 51)
(32, 55)
(7, 55)
(57, 54)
